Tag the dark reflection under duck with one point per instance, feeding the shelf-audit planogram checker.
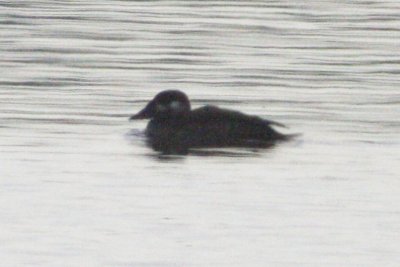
(175, 128)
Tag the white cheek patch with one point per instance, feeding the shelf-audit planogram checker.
(175, 105)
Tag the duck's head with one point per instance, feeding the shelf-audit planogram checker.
(165, 104)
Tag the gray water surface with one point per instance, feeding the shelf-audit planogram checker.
(79, 187)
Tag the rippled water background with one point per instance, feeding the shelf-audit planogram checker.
(77, 188)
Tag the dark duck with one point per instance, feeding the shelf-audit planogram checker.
(175, 128)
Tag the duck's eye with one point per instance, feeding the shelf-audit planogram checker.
(175, 105)
(161, 108)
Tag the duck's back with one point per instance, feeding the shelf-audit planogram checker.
(211, 126)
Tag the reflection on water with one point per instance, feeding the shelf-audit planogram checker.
(223, 152)
(78, 184)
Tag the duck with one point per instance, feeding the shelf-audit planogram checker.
(175, 128)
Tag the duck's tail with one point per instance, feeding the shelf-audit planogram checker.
(288, 137)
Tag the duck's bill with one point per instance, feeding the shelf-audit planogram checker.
(145, 113)
(140, 115)
(136, 117)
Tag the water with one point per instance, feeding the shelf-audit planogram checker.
(79, 187)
